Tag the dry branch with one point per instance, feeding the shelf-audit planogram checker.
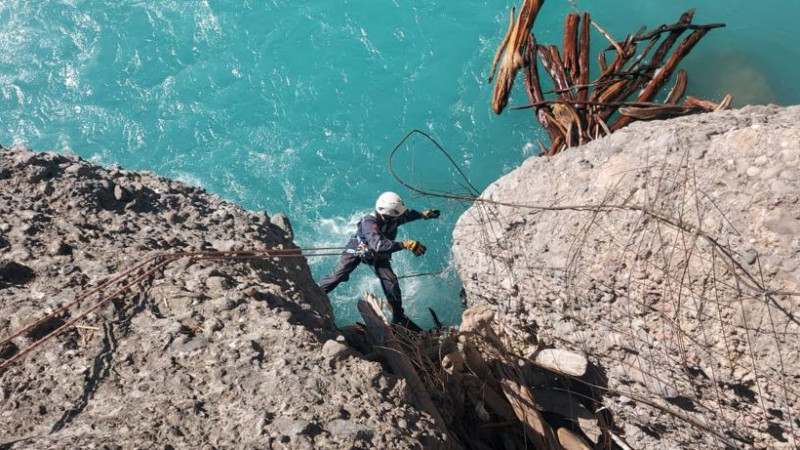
(663, 75)
(584, 109)
(384, 339)
(571, 46)
(512, 48)
(490, 396)
(681, 80)
(534, 88)
(571, 441)
(551, 61)
(583, 59)
(524, 406)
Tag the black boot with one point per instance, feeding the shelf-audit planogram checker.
(405, 322)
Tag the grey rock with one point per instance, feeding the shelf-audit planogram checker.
(341, 427)
(79, 170)
(22, 154)
(750, 257)
(223, 245)
(335, 350)
(282, 222)
(12, 272)
(47, 189)
(185, 358)
(121, 194)
(192, 345)
(59, 248)
(562, 361)
(172, 217)
(781, 222)
(218, 284)
(677, 229)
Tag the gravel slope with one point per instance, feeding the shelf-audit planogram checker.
(206, 354)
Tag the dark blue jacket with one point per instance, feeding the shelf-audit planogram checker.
(380, 235)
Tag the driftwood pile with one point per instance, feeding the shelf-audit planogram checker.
(486, 392)
(625, 89)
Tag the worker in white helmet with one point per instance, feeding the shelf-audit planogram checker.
(374, 243)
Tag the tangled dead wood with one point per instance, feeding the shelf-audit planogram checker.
(485, 391)
(582, 110)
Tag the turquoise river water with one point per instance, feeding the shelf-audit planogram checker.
(292, 106)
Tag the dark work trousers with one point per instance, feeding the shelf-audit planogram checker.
(381, 267)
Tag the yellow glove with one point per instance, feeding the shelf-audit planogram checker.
(418, 248)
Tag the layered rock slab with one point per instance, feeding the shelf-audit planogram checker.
(669, 254)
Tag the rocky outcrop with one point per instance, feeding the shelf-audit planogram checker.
(204, 354)
(669, 254)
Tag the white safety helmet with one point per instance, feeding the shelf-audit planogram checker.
(390, 204)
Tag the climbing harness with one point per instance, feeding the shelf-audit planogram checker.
(362, 251)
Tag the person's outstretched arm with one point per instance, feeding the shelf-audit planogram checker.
(412, 215)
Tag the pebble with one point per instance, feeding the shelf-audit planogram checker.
(218, 284)
(780, 188)
(59, 248)
(625, 400)
(333, 349)
(753, 171)
(780, 222)
(750, 257)
(341, 427)
(790, 265)
(789, 156)
(121, 194)
(282, 222)
(761, 160)
(47, 189)
(223, 245)
(770, 173)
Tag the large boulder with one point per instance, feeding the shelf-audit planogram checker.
(669, 254)
(203, 354)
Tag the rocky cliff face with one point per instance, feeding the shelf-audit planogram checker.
(669, 254)
(204, 354)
